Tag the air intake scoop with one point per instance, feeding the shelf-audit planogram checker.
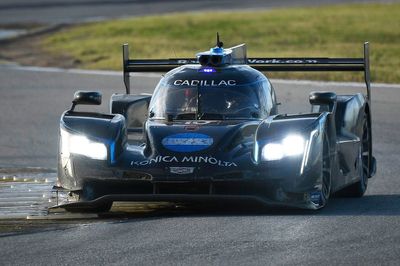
(218, 56)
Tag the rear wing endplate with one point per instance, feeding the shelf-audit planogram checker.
(261, 64)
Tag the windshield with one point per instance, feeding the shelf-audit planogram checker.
(208, 102)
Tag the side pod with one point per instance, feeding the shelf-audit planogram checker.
(88, 138)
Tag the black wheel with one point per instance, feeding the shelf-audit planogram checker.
(364, 161)
(326, 174)
(104, 207)
(320, 197)
(99, 208)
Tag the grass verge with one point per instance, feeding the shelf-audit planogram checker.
(327, 31)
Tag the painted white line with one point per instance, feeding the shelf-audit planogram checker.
(158, 75)
(76, 71)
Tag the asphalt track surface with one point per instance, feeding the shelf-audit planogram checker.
(348, 231)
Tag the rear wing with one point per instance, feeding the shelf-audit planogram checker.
(261, 64)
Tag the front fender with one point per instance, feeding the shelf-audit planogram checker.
(109, 130)
(303, 172)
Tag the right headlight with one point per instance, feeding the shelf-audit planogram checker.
(292, 145)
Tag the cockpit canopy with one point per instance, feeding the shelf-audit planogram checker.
(193, 92)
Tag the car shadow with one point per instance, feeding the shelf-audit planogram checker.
(369, 205)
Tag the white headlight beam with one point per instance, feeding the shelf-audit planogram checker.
(78, 144)
(292, 145)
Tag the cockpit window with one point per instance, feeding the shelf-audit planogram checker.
(207, 101)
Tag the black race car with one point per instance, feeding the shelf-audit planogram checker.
(211, 133)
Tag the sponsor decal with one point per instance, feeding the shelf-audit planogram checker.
(282, 61)
(185, 159)
(204, 83)
(187, 142)
(181, 170)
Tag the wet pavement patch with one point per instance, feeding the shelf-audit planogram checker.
(26, 192)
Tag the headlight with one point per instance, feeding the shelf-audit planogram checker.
(290, 146)
(78, 144)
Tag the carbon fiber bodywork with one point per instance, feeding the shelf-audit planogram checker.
(226, 169)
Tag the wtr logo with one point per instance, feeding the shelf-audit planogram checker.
(187, 142)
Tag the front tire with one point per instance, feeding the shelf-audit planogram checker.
(322, 195)
(98, 208)
(359, 188)
(326, 174)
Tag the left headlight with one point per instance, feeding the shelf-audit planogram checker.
(292, 145)
(78, 144)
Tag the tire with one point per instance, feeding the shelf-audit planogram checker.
(105, 207)
(100, 208)
(326, 174)
(359, 188)
(322, 196)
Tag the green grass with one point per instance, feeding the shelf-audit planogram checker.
(328, 31)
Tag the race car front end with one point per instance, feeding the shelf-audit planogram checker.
(203, 162)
